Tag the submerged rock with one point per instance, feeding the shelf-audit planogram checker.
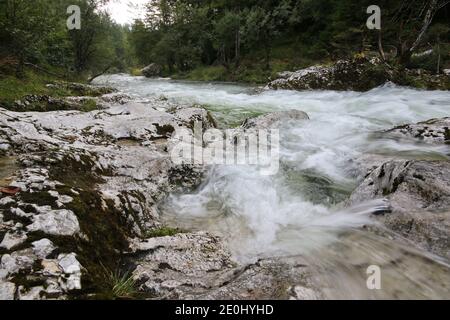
(435, 131)
(274, 119)
(419, 196)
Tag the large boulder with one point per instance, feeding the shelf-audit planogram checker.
(152, 70)
(359, 74)
(419, 196)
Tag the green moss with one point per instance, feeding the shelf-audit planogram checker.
(162, 232)
(89, 105)
(104, 228)
(135, 72)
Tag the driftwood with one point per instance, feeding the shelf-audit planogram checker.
(100, 73)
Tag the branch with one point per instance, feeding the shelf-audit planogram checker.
(426, 23)
(101, 73)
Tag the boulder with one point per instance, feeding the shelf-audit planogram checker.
(199, 266)
(435, 131)
(152, 70)
(274, 119)
(359, 74)
(56, 222)
(419, 196)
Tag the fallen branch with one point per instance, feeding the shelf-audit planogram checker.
(101, 73)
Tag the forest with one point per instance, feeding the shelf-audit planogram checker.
(219, 40)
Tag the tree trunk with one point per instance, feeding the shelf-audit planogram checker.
(426, 24)
(380, 47)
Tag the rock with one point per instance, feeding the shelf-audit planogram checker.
(71, 267)
(106, 171)
(80, 89)
(69, 263)
(116, 98)
(12, 240)
(32, 294)
(278, 278)
(358, 74)
(6, 200)
(171, 266)
(17, 261)
(7, 290)
(199, 266)
(56, 222)
(152, 70)
(274, 119)
(50, 267)
(435, 131)
(43, 248)
(419, 197)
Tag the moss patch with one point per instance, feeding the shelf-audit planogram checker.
(162, 232)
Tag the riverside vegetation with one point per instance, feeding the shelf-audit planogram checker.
(93, 207)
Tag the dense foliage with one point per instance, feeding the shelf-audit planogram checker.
(219, 39)
(184, 34)
(35, 33)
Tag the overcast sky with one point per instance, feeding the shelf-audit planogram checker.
(124, 11)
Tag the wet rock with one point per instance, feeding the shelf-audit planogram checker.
(199, 266)
(274, 119)
(56, 222)
(152, 70)
(172, 266)
(359, 74)
(419, 198)
(436, 131)
(278, 278)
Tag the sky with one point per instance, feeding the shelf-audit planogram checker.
(124, 11)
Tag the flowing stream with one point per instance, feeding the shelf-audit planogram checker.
(299, 211)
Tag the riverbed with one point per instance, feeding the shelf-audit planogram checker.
(301, 210)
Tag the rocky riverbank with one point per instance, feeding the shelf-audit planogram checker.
(358, 74)
(79, 215)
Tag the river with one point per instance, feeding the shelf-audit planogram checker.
(300, 211)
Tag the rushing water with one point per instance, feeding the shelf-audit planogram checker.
(299, 210)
